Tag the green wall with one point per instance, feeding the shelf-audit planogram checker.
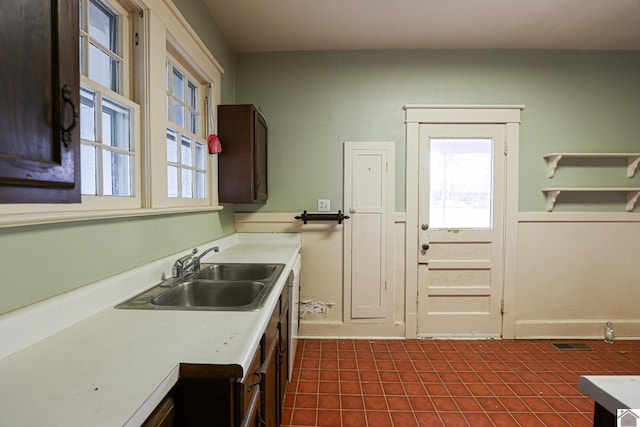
(205, 25)
(42, 261)
(314, 101)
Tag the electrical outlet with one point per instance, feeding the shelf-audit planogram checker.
(324, 205)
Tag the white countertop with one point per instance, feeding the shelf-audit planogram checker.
(113, 367)
(612, 391)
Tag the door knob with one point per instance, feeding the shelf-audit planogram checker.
(425, 247)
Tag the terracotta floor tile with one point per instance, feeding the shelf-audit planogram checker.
(352, 402)
(478, 419)
(377, 403)
(398, 403)
(421, 403)
(328, 401)
(379, 419)
(454, 419)
(354, 418)
(329, 418)
(428, 419)
(403, 419)
(439, 383)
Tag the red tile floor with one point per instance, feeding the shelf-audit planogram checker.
(405, 383)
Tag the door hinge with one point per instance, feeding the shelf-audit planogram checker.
(385, 285)
(141, 13)
(137, 39)
(506, 149)
(502, 306)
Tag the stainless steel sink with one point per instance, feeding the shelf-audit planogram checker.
(216, 287)
(210, 293)
(238, 271)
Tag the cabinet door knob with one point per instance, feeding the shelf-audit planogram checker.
(425, 247)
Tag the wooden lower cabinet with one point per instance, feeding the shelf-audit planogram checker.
(215, 395)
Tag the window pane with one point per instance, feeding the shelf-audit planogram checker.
(115, 125)
(461, 183)
(178, 84)
(102, 25)
(103, 68)
(186, 151)
(200, 156)
(87, 115)
(193, 94)
(187, 183)
(201, 185)
(172, 181)
(178, 113)
(193, 122)
(88, 170)
(172, 146)
(116, 174)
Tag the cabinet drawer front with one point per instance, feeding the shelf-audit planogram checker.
(251, 389)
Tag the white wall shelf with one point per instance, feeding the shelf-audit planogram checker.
(552, 194)
(633, 159)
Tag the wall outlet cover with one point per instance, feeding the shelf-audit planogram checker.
(324, 205)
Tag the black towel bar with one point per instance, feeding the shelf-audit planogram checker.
(322, 217)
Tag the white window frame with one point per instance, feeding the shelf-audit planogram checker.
(157, 28)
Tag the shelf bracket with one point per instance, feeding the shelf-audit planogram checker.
(553, 164)
(632, 199)
(552, 195)
(633, 162)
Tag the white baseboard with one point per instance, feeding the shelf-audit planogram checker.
(575, 329)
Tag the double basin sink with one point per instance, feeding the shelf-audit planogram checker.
(216, 287)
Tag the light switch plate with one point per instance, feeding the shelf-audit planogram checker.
(324, 205)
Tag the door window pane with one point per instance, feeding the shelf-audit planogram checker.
(461, 183)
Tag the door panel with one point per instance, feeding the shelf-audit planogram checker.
(460, 233)
(368, 242)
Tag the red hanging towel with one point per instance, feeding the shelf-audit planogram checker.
(214, 144)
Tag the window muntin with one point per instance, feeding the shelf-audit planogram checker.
(187, 166)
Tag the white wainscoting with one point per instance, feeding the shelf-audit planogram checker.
(575, 271)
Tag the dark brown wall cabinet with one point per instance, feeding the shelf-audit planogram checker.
(39, 102)
(242, 165)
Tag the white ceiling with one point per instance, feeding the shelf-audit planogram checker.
(286, 25)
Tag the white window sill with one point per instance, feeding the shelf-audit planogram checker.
(16, 220)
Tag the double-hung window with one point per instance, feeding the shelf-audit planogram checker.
(109, 119)
(187, 157)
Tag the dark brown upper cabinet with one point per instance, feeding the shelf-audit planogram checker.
(242, 165)
(39, 102)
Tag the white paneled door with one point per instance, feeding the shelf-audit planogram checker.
(368, 242)
(461, 229)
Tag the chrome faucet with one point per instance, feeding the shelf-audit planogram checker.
(190, 262)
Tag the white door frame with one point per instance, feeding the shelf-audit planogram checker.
(508, 115)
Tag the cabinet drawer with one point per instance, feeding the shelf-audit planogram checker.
(250, 390)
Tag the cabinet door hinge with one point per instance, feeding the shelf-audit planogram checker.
(136, 39)
(506, 149)
(385, 285)
(141, 13)
(502, 306)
